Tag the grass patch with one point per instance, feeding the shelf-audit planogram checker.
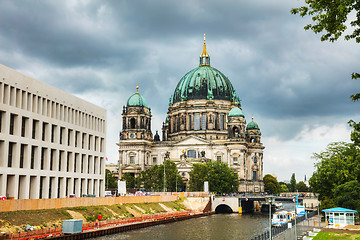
(336, 236)
(178, 205)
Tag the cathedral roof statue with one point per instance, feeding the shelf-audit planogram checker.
(204, 82)
(136, 100)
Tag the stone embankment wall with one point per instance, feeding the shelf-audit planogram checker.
(37, 204)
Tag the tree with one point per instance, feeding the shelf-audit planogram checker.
(337, 165)
(271, 184)
(292, 187)
(301, 187)
(347, 195)
(221, 178)
(283, 187)
(110, 180)
(130, 180)
(330, 18)
(152, 179)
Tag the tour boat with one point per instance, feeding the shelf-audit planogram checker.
(282, 217)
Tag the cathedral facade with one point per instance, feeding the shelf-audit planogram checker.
(204, 122)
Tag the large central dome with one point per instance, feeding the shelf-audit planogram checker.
(204, 82)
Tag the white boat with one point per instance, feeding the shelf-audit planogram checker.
(279, 205)
(282, 217)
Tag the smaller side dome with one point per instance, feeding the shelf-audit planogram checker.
(252, 125)
(136, 100)
(236, 112)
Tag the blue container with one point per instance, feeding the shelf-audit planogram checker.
(72, 226)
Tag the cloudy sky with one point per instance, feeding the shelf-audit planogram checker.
(296, 87)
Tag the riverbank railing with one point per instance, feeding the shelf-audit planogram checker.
(284, 227)
(51, 232)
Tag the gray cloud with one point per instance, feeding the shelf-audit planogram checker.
(285, 76)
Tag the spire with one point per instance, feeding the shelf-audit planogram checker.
(137, 89)
(204, 57)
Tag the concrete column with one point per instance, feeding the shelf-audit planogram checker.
(90, 186)
(62, 182)
(3, 184)
(16, 155)
(34, 187)
(102, 188)
(96, 186)
(24, 186)
(84, 186)
(45, 187)
(120, 163)
(70, 186)
(77, 187)
(54, 187)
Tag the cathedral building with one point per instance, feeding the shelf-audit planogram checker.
(204, 122)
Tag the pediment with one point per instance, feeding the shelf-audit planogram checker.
(192, 140)
(183, 164)
(131, 167)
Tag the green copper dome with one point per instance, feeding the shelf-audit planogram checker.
(136, 100)
(204, 82)
(252, 125)
(236, 112)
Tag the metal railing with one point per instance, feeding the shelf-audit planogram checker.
(277, 230)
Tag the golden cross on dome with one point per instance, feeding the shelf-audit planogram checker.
(137, 89)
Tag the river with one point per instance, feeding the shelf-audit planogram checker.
(217, 226)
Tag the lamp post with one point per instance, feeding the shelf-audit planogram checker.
(270, 219)
(164, 175)
(295, 202)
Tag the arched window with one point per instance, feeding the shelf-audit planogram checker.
(132, 123)
(255, 160)
(254, 175)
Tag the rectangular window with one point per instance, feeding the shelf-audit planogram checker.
(53, 133)
(203, 122)
(154, 160)
(24, 123)
(222, 120)
(197, 121)
(82, 163)
(52, 154)
(218, 158)
(60, 160)
(83, 140)
(62, 129)
(191, 153)
(44, 130)
(67, 162)
(235, 160)
(12, 123)
(34, 128)
(42, 159)
(1, 118)
(22, 151)
(132, 159)
(10, 154)
(32, 160)
(216, 121)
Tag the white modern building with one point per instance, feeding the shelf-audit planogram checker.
(52, 144)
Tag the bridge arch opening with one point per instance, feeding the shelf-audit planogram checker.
(223, 208)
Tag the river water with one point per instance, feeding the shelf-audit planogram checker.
(217, 226)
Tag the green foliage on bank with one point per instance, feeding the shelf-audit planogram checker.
(221, 178)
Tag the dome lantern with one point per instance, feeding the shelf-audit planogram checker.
(204, 57)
